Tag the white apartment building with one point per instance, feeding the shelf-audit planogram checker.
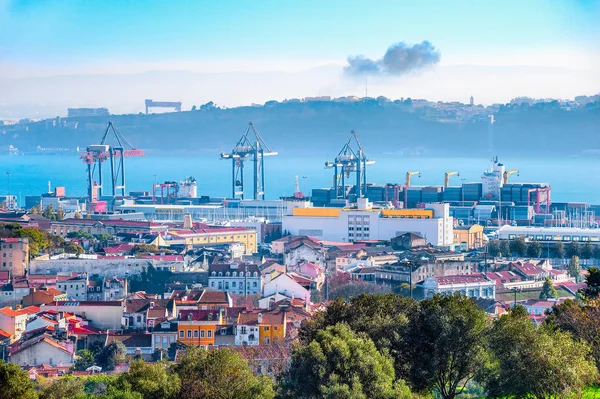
(364, 222)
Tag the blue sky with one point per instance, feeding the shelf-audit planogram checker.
(66, 31)
(560, 40)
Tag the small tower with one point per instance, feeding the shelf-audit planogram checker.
(471, 101)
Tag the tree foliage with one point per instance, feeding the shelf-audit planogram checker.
(219, 373)
(518, 247)
(152, 381)
(536, 362)
(451, 330)
(505, 250)
(493, 248)
(592, 280)
(339, 364)
(85, 359)
(573, 249)
(559, 250)
(38, 240)
(587, 250)
(574, 268)
(534, 249)
(64, 388)
(15, 383)
(548, 290)
(111, 355)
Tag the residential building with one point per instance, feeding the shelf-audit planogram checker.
(473, 285)
(75, 287)
(216, 235)
(106, 315)
(14, 322)
(113, 227)
(539, 307)
(106, 289)
(43, 349)
(135, 311)
(136, 343)
(303, 250)
(269, 360)
(287, 285)
(236, 278)
(261, 327)
(197, 327)
(467, 238)
(164, 334)
(43, 296)
(364, 222)
(14, 255)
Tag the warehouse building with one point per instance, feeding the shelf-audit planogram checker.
(365, 222)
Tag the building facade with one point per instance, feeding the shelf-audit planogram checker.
(14, 255)
(235, 278)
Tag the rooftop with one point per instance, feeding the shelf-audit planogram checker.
(462, 279)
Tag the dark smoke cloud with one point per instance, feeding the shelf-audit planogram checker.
(400, 58)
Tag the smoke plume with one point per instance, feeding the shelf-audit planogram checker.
(400, 58)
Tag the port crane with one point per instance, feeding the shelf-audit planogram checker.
(409, 176)
(447, 176)
(350, 160)
(249, 147)
(507, 174)
(96, 154)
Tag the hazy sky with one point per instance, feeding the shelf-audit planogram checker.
(538, 48)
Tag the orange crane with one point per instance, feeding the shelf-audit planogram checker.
(508, 173)
(447, 176)
(409, 175)
(96, 154)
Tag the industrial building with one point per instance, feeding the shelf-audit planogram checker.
(551, 234)
(365, 222)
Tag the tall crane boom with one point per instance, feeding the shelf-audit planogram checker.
(507, 174)
(249, 148)
(350, 159)
(409, 176)
(447, 176)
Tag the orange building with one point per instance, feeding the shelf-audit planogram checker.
(271, 327)
(469, 237)
(197, 327)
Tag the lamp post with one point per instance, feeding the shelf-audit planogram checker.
(514, 290)
(406, 261)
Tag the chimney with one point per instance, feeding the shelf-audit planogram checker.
(259, 318)
(187, 221)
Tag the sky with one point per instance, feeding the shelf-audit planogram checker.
(494, 50)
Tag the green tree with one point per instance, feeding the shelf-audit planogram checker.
(582, 320)
(339, 364)
(60, 214)
(153, 381)
(505, 249)
(66, 387)
(597, 252)
(574, 268)
(451, 362)
(382, 317)
(559, 250)
(548, 290)
(72, 248)
(38, 240)
(111, 355)
(48, 212)
(587, 251)
(160, 354)
(113, 392)
(493, 248)
(592, 280)
(538, 363)
(85, 359)
(174, 347)
(534, 249)
(77, 215)
(573, 249)
(219, 373)
(518, 247)
(15, 383)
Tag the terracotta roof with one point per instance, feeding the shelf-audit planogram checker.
(528, 269)
(214, 297)
(503, 277)
(4, 276)
(156, 313)
(36, 340)
(131, 340)
(142, 305)
(4, 334)
(269, 317)
(117, 249)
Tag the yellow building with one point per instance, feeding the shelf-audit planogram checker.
(198, 327)
(469, 237)
(271, 326)
(217, 235)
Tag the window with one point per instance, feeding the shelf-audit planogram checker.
(266, 340)
(209, 333)
(189, 333)
(233, 284)
(171, 339)
(201, 333)
(266, 328)
(243, 330)
(195, 333)
(157, 339)
(275, 328)
(223, 331)
(164, 341)
(181, 334)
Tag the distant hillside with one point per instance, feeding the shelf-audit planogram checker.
(323, 127)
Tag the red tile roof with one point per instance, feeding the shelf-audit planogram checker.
(269, 317)
(220, 297)
(503, 277)
(198, 315)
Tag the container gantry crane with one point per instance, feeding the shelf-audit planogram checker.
(96, 154)
(350, 160)
(246, 148)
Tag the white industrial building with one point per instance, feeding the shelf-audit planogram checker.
(364, 222)
(563, 234)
